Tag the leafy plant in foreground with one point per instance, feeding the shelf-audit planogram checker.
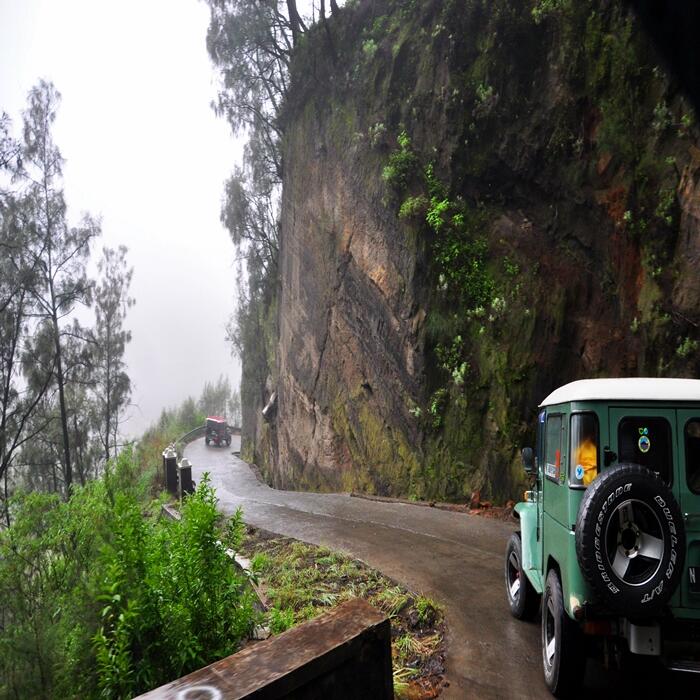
(104, 598)
(174, 602)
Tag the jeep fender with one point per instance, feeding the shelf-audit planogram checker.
(560, 554)
(527, 514)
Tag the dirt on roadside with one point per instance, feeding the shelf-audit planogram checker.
(299, 581)
(475, 506)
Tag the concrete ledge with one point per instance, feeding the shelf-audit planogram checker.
(344, 654)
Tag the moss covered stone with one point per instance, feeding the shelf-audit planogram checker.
(566, 171)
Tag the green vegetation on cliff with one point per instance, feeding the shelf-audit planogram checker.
(481, 201)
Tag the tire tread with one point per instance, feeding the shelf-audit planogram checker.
(568, 675)
(585, 524)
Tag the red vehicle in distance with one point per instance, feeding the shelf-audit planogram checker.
(217, 431)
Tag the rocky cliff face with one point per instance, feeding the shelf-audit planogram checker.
(351, 346)
(482, 201)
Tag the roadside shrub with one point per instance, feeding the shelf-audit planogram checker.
(281, 620)
(428, 610)
(103, 597)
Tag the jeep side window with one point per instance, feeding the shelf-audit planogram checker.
(692, 454)
(646, 441)
(584, 449)
(552, 459)
(539, 449)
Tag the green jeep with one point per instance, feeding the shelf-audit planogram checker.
(609, 537)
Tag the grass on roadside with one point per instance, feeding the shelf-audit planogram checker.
(301, 581)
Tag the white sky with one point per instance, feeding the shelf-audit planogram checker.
(144, 151)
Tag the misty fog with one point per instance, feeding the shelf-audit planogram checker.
(145, 152)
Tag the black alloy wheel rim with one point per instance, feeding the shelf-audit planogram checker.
(549, 632)
(513, 574)
(634, 542)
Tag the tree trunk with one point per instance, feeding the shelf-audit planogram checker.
(327, 30)
(108, 406)
(334, 7)
(7, 509)
(79, 453)
(294, 20)
(60, 379)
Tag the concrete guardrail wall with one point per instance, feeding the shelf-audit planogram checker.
(344, 654)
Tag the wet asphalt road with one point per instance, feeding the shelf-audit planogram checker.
(455, 558)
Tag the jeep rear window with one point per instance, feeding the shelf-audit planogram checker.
(584, 449)
(647, 441)
(692, 454)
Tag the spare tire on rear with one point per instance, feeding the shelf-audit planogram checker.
(630, 540)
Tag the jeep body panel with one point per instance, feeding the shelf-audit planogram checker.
(616, 490)
(530, 542)
(689, 500)
(633, 389)
(557, 548)
(685, 602)
(548, 522)
(560, 503)
(560, 553)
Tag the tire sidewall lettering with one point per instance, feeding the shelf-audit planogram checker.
(611, 580)
(598, 508)
(603, 569)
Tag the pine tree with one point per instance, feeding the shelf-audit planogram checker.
(111, 382)
(56, 252)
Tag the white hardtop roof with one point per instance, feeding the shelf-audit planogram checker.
(626, 389)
